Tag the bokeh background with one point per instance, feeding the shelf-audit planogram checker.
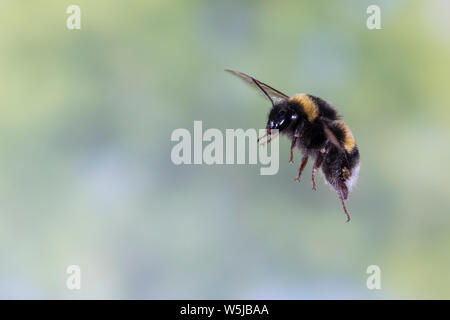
(85, 170)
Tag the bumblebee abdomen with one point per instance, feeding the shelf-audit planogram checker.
(353, 168)
(344, 135)
(340, 167)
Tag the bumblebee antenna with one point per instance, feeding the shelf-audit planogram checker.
(267, 95)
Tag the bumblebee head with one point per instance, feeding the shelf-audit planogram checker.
(280, 117)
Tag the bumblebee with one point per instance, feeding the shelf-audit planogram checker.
(315, 128)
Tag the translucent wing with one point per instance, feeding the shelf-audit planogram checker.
(330, 135)
(272, 94)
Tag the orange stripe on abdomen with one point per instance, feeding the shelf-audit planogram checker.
(348, 139)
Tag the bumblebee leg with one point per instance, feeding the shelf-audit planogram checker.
(259, 139)
(316, 166)
(343, 191)
(270, 139)
(291, 160)
(345, 209)
(343, 194)
(302, 166)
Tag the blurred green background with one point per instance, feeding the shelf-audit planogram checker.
(85, 170)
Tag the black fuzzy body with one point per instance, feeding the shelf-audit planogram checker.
(338, 164)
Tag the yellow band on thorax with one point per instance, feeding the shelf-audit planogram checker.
(308, 106)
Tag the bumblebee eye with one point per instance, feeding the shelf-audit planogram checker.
(282, 113)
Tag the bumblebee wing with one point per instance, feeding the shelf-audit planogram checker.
(330, 135)
(272, 94)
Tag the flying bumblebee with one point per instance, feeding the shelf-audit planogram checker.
(314, 127)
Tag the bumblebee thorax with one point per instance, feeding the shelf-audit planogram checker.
(307, 105)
